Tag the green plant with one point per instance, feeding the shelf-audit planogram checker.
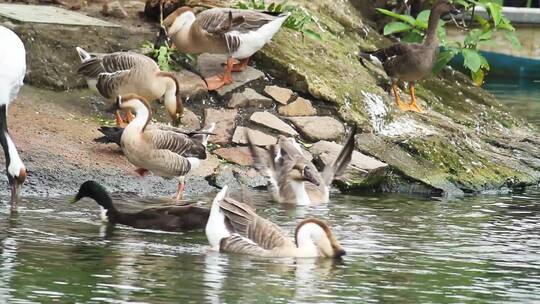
(162, 55)
(299, 18)
(413, 30)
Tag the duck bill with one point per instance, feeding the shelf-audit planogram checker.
(15, 193)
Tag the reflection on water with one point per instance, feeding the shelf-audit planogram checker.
(522, 96)
(399, 249)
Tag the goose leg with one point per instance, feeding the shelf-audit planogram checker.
(413, 106)
(399, 103)
(242, 65)
(181, 187)
(217, 81)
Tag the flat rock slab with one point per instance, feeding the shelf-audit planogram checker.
(249, 98)
(190, 121)
(299, 107)
(317, 128)
(236, 155)
(279, 94)
(191, 85)
(211, 64)
(273, 122)
(259, 138)
(49, 14)
(328, 151)
(207, 167)
(225, 123)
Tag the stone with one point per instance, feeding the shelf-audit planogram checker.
(236, 155)
(190, 121)
(212, 64)
(192, 86)
(271, 121)
(207, 167)
(225, 123)
(249, 98)
(259, 138)
(279, 94)
(327, 152)
(299, 107)
(114, 9)
(235, 176)
(317, 128)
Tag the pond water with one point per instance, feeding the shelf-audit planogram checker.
(399, 249)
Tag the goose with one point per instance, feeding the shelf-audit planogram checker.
(411, 61)
(292, 178)
(234, 32)
(234, 227)
(13, 63)
(172, 218)
(122, 73)
(163, 152)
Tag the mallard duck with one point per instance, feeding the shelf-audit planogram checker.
(294, 179)
(411, 61)
(128, 72)
(13, 63)
(173, 218)
(235, 227)
(163, 152)
(234, 32)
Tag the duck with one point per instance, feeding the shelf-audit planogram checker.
(294, 179)
(163, 152)
(411, 62)
(171, 218)
(129, 72)
(13, 63)
(235, 227)
(236, 33)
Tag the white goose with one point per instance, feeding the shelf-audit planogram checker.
(13, 63)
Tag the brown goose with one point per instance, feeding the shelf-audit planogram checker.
(236, 33)
(163, 152)
(234, 227)
(173, 218)
(123, 73)
(411, 61)
(292, 178)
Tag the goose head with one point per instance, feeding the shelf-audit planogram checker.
(16, 180)
(131, 102)
(305, 172)
(315, 234)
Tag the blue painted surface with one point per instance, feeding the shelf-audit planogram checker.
(506, 65)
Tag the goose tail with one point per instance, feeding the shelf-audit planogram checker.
(83, 55)
(110, 135)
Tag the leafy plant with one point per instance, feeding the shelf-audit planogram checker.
(413, 30)
(299, 18)
(162, 55)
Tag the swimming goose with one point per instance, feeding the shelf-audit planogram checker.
(234, 32)
(13, 63)
(235, 227)
(163, 152)
(411, 61)
(292, 177)
(173, 218)
(123, 73)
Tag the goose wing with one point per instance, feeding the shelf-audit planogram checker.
(246, 223)
(238, 244)
(175, 142)
(340, 164)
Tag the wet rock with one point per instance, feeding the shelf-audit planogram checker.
(225, 123)
(234, 177)
(279, 94)
(299, 107)
(273, 122)
(191, 85)
(212, 64)
(259, 138)
(236, 155)
(318, 127)
(190, 121)
(207, 167)
(249, 98)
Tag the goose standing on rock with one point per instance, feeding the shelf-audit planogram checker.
(234, 32)
(173, 218)
(12, 71)
(294, 179)
(411, 61)
(123, 73)
(165, 153)
(234, 227)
